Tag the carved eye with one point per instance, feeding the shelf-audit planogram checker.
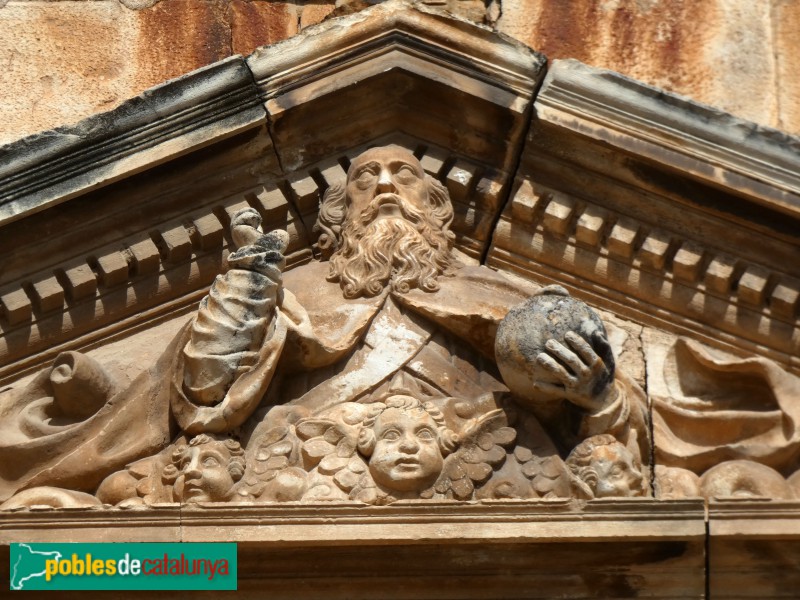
(616, 472)
(426, 434)
(210, 461)
(391, 436)
(366, 178)
(406, 175)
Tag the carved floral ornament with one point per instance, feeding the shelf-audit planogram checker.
(391, 370)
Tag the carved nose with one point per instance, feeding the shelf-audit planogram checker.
(409, 444)
(192, 470)
(385, 183)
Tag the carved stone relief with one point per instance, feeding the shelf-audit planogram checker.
(723, 426)
(391, 370)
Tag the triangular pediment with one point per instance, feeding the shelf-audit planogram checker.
(679, 223)
(648, 205)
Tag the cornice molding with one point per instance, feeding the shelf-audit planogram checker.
(697, 139)
(163, 123)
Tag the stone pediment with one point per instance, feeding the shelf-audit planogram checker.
(667, 212)
(670, 218)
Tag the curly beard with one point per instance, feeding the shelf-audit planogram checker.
(408, 252)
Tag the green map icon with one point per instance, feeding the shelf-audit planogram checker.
(28, 564)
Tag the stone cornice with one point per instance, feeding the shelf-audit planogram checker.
(343, 524)
(161, 124)
(461, 45)
(696, 139)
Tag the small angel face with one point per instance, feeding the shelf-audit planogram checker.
(204, 474)
(617, 475)
(407, 456)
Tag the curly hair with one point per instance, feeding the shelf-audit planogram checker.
(236, 463)
(365, 255)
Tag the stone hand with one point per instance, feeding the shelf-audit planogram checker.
(257, 251)
(578, 372)
(245, 227)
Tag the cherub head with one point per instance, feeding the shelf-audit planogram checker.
(607, 467)
(389, 224)
(206, 469)
(405, 443)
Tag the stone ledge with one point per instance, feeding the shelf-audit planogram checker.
(165, 122)
(704, 141)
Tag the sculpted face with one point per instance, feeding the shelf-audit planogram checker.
(617, 475)
(205, 474)
(407, 456)
(387, 181)
(390, 225)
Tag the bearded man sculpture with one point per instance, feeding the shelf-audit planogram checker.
(389, 306)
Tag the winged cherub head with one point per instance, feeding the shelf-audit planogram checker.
(405, 443)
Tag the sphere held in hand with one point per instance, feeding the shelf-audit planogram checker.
(524, 332)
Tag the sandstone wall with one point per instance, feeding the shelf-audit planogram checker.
(63, 60)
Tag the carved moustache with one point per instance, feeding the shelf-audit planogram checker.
(407, 211)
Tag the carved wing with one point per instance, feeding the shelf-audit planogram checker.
(482, 449)
(330, 448)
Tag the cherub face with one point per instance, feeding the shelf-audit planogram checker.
(204, 474)
(617, 476)
(390, 177)
(407, 456)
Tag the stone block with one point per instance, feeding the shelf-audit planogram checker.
(526, 202)
(785, 298)
(16, 305)
(274, 206)
(490, 191)
(234, 207)
(720, 272)
(688, 261)
(146, 257)
(209, 232)
(175, 243)
(306, 192)
(332, 171)
(753, 284)
(558, 214)
(112, 268)
(63, 61)
(48, 294)
(254, 24)
(311, 14)
(433, 161)
(653, 252)
(719, 52)
(589, 229)
(622, 239)
(460, 180)
(80, 281)
(786, 40)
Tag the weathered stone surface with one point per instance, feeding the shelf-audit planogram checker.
(727, 53)
(64, 61)
(255, 23)
(730, 53)
(212, 103)
(785, 15)
(752, 547)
